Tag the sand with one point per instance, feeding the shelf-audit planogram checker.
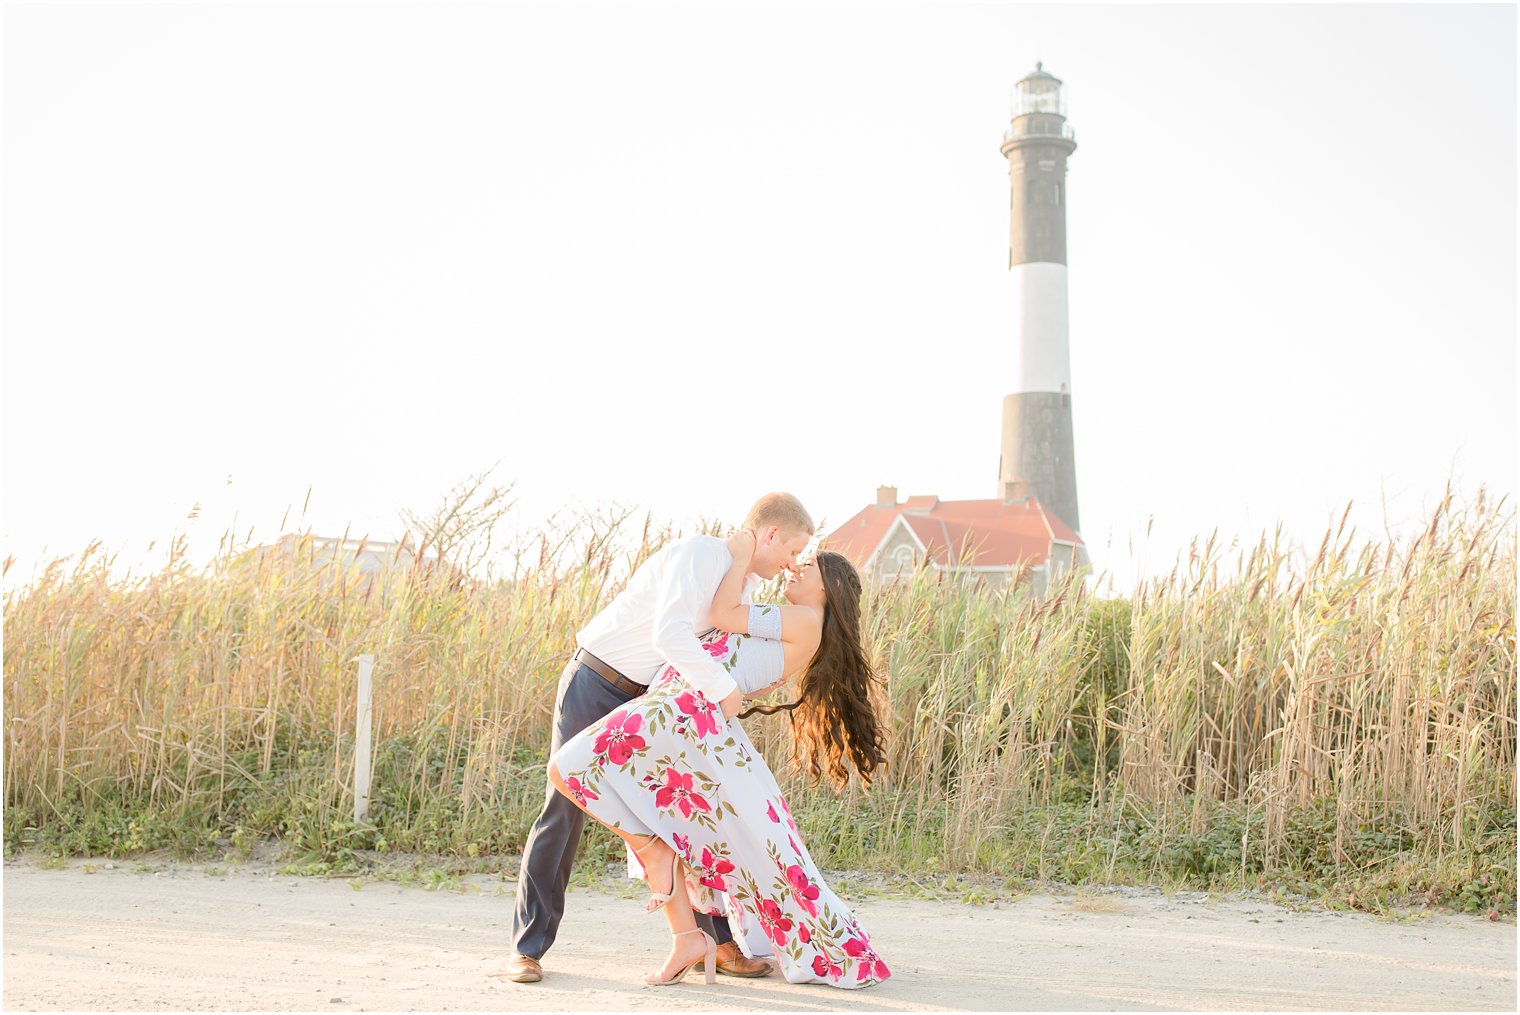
(92, 937)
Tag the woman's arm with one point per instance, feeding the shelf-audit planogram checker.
(727, 613)
(799, 624)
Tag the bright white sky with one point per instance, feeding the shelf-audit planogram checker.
(675, 256)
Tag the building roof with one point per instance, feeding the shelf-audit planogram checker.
(1039, 73)
(1001, 533)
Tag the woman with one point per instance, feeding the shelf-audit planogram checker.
(690, 794)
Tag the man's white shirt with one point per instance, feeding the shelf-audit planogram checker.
(656, 619)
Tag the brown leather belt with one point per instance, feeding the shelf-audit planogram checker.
(607, 673)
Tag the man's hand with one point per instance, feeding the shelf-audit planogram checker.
(733, 704)
(762, 692)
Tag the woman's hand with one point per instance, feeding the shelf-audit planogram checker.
(742, 545)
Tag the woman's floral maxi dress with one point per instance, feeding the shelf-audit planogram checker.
(669, 763)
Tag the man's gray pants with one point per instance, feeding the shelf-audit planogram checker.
(549, 854)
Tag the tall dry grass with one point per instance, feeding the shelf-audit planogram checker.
(1231, 718)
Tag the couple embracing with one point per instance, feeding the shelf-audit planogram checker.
(647, 740)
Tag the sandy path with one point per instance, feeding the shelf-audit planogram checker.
(189, 938)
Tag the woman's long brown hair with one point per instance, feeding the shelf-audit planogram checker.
(834, 714)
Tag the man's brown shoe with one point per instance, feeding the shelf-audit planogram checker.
(525, 969)
(733, 962)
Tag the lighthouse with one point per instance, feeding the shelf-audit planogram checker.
(1037, 457)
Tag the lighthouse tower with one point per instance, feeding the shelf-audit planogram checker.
(1037, 436)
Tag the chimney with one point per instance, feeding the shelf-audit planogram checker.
(886, 496)
(1015, 489)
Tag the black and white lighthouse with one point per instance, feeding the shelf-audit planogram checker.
(1037, 457)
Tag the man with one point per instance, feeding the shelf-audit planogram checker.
(653, 622)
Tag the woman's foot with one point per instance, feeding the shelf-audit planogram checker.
(686, 950)
(660, 870)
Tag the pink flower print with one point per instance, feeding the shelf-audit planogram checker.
(823, 967)
(870, 962)
(796, 849)
(704, 713)
(580, 791)
(667, 675)
(774, 922)
(803, 934)
(678, 792)
(717, 649)
(803, 890)
(770, 812)
(683, 845)
(620, 737)
(711, 870)
(788, 812)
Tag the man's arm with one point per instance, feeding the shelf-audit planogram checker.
(685, 590)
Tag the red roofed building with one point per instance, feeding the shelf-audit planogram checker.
(991, 540)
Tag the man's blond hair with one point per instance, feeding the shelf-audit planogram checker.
(781, 510)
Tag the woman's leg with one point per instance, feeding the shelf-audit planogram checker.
(685, 948)
(654, 855)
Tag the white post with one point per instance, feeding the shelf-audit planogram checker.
(361, 738)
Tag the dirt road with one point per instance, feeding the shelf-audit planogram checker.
(188, 937)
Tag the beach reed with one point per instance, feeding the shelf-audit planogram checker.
(1252, 717)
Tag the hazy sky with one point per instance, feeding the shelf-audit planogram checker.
(675, 256)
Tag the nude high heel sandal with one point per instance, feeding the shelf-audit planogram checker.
(710, 969)
(658, 899)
